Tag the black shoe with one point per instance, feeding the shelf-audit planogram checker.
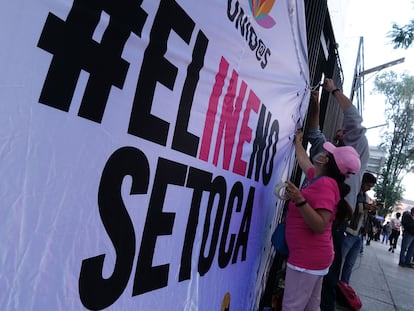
(406, 265)
(390, 249)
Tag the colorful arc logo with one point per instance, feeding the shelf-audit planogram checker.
(260, 10)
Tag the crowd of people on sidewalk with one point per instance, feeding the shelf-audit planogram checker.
(330, 215)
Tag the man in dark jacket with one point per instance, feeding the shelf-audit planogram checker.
(407, 243)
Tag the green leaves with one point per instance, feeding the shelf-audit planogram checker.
(398, 140)
(402, 37)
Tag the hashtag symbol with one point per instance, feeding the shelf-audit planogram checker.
(74, 49)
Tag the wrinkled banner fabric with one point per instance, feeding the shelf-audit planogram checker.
(140, 144)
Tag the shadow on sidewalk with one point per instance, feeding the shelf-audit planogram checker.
(380, 282)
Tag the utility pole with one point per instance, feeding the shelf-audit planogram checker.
(357, 86)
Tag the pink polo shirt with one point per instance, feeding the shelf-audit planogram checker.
(308, 249)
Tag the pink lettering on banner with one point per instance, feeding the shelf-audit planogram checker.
(228, 123)
(229, 120)
(212, 110)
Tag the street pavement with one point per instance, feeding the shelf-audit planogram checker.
(381, 284)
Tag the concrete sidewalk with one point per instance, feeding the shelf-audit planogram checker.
(380, 282)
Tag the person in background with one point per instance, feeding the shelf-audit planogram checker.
(386, 230)
(352, 241)
(369, 227)
(309, 219)
(395, 232)
(407, 243)
(377, 226)
(351, 134)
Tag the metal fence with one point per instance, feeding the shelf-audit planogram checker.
(324, 61)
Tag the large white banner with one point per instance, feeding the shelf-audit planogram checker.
(140, 143)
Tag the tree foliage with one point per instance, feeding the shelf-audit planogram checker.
(398, 140)
(402, 36)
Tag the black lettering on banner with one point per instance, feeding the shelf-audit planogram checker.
(74, 49)
(265, 57)
(95, 291)
(156, 68)
(270, 152)
(200, 181)
(148, 277)
(260, 146)
(244, 230)
(224, 256)
(233, 15)
(242, 21)
(182, 140)
(253, 40)
(218, 188)
(260, 51)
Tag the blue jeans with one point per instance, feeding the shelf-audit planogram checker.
(351, 247)
(385, 237)
(407, 248)
(410, 253)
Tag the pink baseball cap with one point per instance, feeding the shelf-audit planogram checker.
(346, 158)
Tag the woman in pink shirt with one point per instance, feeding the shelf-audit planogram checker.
(311, 213)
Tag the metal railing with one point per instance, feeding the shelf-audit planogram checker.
(324, 61)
